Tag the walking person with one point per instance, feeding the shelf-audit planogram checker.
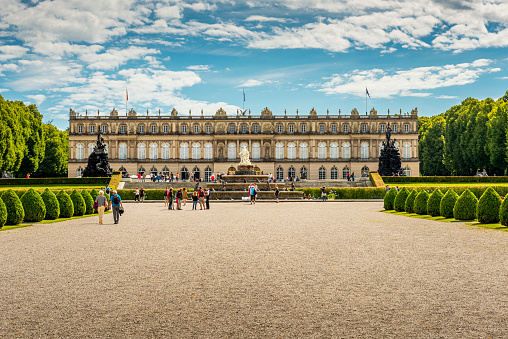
(136, 195)
(114, 203)
(184, 196)
(194, 200)
(276, 193)
(179, 199)
(207, 198)
(141, 194)
(101, 202)
(166, 194)
(170, 199)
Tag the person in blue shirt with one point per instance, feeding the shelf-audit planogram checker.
(114, 203)
(252, 193)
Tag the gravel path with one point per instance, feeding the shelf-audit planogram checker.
(302, 269)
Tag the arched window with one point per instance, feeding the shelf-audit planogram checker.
(124, 172)
(279, 151)
(303, 173)
(279, 173)
(322, 173)
(79, 172)
(292, 172)
(141, 151)
(208, 151)
(153, 151)
(196, 151)
(184, 151)
(255, 151)
(232, 151)
(365, 171)
(303, 151)
(165, 151)
(90, 148)
(346, 154)
(291, 151)
(153, 171)
(407, 172)
(165, 171)
(141, 170)
(322, 150)
(345, 172)
(80, 152)
(364, 150)
(122, 151)
(208, 174)
(406, 150)
(334, 173)
(184, 173)
(334, 150)
(197, 173)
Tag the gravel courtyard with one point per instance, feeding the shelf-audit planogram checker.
(300, 269)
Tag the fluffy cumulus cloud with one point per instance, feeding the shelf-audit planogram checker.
(37, 98)
(413, 82)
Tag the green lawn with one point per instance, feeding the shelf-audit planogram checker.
(448, 184)
(53, 187)
(11, 227)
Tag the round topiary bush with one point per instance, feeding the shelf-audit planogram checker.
(35, 209)
(447, 203)
(88, 201)
(14, 207)
(390, 198)
(51, 203)
(410, 201)
(488, 207)
(434, 203)
(503, 213)
(66, 205)
(420, 204)
(94, 194)
(78, 202)
(465, 207)
(400, 200)
(3, 213)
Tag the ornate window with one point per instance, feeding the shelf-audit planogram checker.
(197, 173)
(80, 152)
(279, 128)
(141, 129)
(208, 174)
(382, 128)
(104, 129)
(407, 171)
(208, 151)
(255, 151)
(184, 151)
(303, 128)
(244, 129)
(208, 129)
(334, 128)
(345, 172)
(364, 150)
(292, 151)
(90, 148)
(406, 128)
(92, 129)
(303, 173)
(291, 128)
(122, 151)
(322, 150)
(141, 170)
(321, 128)
(322, 173)
(232, 150)
(334, 173)
(232, 129)
(291, 172)
(184, 129)
(364, 128)
(334, 150)
(196, 151)
(279, 151)
(196, 129)
(365, 171)
(154, 129)
(406, 150)
(346, 151)
(165, 128)
(394, 128)
(80, 129)
(255, 128)
(122, 129)
(303, 151)
(153, 151)
(165, 151)
(346, 128)
(141, 151)
(279, 173)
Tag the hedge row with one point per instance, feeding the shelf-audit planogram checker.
(54, 181)
(445, 179)
(376, 179)
(346, 192)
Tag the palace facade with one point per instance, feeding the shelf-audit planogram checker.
(309, 146)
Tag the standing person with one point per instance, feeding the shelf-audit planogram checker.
(194, 200)
(115, 202)
(353, 176)
(256, 189)
(139, 177)
(387, 188)
(179, 199)
(207, 196)
(176, 175)
(252, 193)
(276, 193)
(101, 205)
(348, 176)
(184, 196)
(107, 189)
(141, 194)
(166, 194)
(201, 199)
(323, 193)
(136, 195)
(170, 199)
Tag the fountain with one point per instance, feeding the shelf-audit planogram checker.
(389, 159)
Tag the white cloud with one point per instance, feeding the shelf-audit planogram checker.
(413, 82)
(447, 97)
(261, 18)
(114, 57)
(3, 90)
(38, 98)
(252, 83)
(12, 52)
(168, 12)
(8, 68)
(199, 67)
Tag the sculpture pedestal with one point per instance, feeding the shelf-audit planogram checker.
(245, 170)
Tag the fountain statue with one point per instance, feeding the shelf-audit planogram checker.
(244, 154)
(389, 159)
(98, 164)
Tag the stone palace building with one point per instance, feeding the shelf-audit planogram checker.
(310, 146)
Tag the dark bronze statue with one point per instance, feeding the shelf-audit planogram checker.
(98, 164)
(389, 159)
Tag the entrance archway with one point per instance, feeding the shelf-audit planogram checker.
(196, 173)
(184, 173)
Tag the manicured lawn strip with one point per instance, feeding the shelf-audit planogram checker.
(11, 227)
(60, 187)
(448, 184)
(497, 226)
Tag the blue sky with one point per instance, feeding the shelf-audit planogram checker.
(287, 54)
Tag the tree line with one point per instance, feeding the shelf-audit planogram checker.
(27, 145)
(466, 138)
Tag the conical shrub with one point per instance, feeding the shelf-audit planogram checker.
(35, 209)
(390, 198)
(14, 207)
(3, 213)
(434, 203)
(420, 205)
(51, 203)
(94, 194)
(78, 202)
(400, 199)
(66, 205)
(88, 201)
(503, 213)
(410, 201)
(447, 203)
(465, 207)
(488, 207)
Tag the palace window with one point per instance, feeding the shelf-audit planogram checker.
(364, 128)
(232, 129)
(184, 151)
(255, 128)
(92, 129)
(407, 172)
(153, 151)
(394, 128)
(346, 148)
(292, 151)
(279, 173)
(406, 150)
(122, 151)
(80, 152)
(165, 128)
(346, 128)
(104, 129)
(303, 151)
(208, 151)
(208, 129)
(232, 151)
(255, 151)
(244, 129)
(334, 128)
(154, 129)
(208, 174)
(291, 128)
(184, 128)
(141, 151)
(382, 128)
(365, 172)
(279, 128)
(165, 151)
(303, 173)
(303, 128)
(321, 128)
(196, 129)
(122, 129)
(184, 173)
(334, 150)
(322, 150)
(406, 128)
(345, 172)
(196, 151)
(80, 129)
(364, 150)
(279, 151)
(291, 172)
(334, 173)
(322, 173)
(90, 148)
(141, 129)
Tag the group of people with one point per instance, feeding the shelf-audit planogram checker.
(175, 200)
(351, 177)
(139, 195)
(114, 204)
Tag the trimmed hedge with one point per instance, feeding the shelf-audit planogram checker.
(115, 180)
(54, 181)
(66, 205)
(447, 204)
(376, 179)
(400, 199)
(51, 203)
(420, 204)
(465, 207)
(3, 213)
(445, 179)
(503, 213)
(488, 207)
(14, 207)
(35, 209)
(389, 199)
(410, 201)
(434, 203)
(88, 201)
(78, 202)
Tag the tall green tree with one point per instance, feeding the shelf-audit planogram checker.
(35, 142)
(431, 147)
(56, 153)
